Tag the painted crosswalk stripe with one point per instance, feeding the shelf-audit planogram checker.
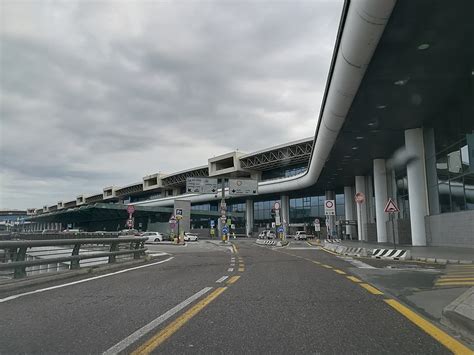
(230, 269)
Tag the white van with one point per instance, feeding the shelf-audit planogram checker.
(301, 235)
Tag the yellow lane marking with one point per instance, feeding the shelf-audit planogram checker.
(233, 279)
(316, 262)
(452, 344)
(235, 248)
(172, 328)
(371, 289)
(455, 283)
(352, 278)
(340, 271)
(326, 266)
(456, 279)
(241, 269)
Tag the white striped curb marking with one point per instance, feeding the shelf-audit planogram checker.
(395, 254)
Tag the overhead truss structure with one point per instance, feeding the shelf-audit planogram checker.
(128, 190)
(279, 157)
(180, 178)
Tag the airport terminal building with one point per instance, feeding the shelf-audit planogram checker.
(396, 121)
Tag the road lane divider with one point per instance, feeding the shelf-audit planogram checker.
(174, 326)
(353, 278)
(340, 272)
(132, 338)
(371, 289)
(222, 279)
(2, 300)
(233, 279)
(448, 341)
(327, 266)
(241, 269)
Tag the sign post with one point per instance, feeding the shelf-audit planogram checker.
(201, 185)
(317, 227)
(243, 187)
(392, 208)
(179, 216)
(130, 221)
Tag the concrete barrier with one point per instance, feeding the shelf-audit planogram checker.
(357, 251)
(460, 314)
(266, 242)
(393, 254)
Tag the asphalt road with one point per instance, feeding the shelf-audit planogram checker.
(285, 301)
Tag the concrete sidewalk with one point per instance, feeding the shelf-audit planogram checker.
(431, 254)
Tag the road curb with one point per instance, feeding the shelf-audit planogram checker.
(459, 314)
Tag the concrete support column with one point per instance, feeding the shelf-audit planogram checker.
(381, 197)
(248, 217)
(370, 200)
(331, 220)
(349, 209)
(361, 209)
(417, 190)
(285, 209)
(285, 212)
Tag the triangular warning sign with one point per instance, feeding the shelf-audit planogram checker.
(391, 207)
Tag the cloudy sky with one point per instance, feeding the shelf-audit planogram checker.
(100, 93)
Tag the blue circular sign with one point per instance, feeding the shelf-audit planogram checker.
(225, 230)
(280, 229)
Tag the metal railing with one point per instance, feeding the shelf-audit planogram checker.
(20, 257)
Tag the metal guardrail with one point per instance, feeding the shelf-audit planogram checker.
(15, 252)
(57, 235)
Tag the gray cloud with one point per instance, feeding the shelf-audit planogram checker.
(102, 93)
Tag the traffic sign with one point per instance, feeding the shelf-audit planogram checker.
(229, 221)
(276, 206)
(212, 223)
(232, 226)
(360, 197)
(130, 222)
(316, 221)
(329, 208)
(130, 209)
(391, 207)
(179, 217)
(179, 212)
(201, 185)
(273, 225)
(243, 187)
(225, 230)
(280, 229)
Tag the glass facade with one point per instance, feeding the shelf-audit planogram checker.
(262, 212)
(455, 176)
(306, 209)
(284, 172)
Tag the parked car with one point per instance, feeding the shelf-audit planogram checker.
(301, 235)
(153, 237)
(190, 237)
